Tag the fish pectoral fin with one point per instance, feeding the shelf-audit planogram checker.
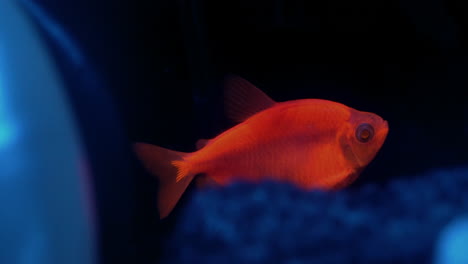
(347, 178)
(243, 99)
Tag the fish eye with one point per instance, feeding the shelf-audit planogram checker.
(364, 132)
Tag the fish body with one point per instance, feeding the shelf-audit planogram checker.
(312, 143)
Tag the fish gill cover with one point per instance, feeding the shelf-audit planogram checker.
(398, 222)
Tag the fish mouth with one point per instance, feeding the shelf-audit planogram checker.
(384, 130)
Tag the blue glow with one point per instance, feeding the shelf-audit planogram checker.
(453, 243)
(5, 134)
(39, 149)
(56, 32)
(6, 128)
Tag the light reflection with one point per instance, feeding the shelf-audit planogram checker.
(6, 127)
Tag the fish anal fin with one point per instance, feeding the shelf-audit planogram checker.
(204, 180)
(243, 99)
(164, 165)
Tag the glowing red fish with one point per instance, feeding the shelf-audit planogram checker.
(312, 143)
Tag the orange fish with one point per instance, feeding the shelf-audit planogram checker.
(312, 143)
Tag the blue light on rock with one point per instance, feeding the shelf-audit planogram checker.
(453, 243)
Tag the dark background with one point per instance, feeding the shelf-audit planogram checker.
(163, 63)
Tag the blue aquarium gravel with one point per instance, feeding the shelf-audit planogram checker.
(395, 222)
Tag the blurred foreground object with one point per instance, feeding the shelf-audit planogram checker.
(45, 214)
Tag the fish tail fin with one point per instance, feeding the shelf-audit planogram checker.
(172, 171)
(182, 169)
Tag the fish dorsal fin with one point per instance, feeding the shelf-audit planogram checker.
(242, 99)
(201, 143)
